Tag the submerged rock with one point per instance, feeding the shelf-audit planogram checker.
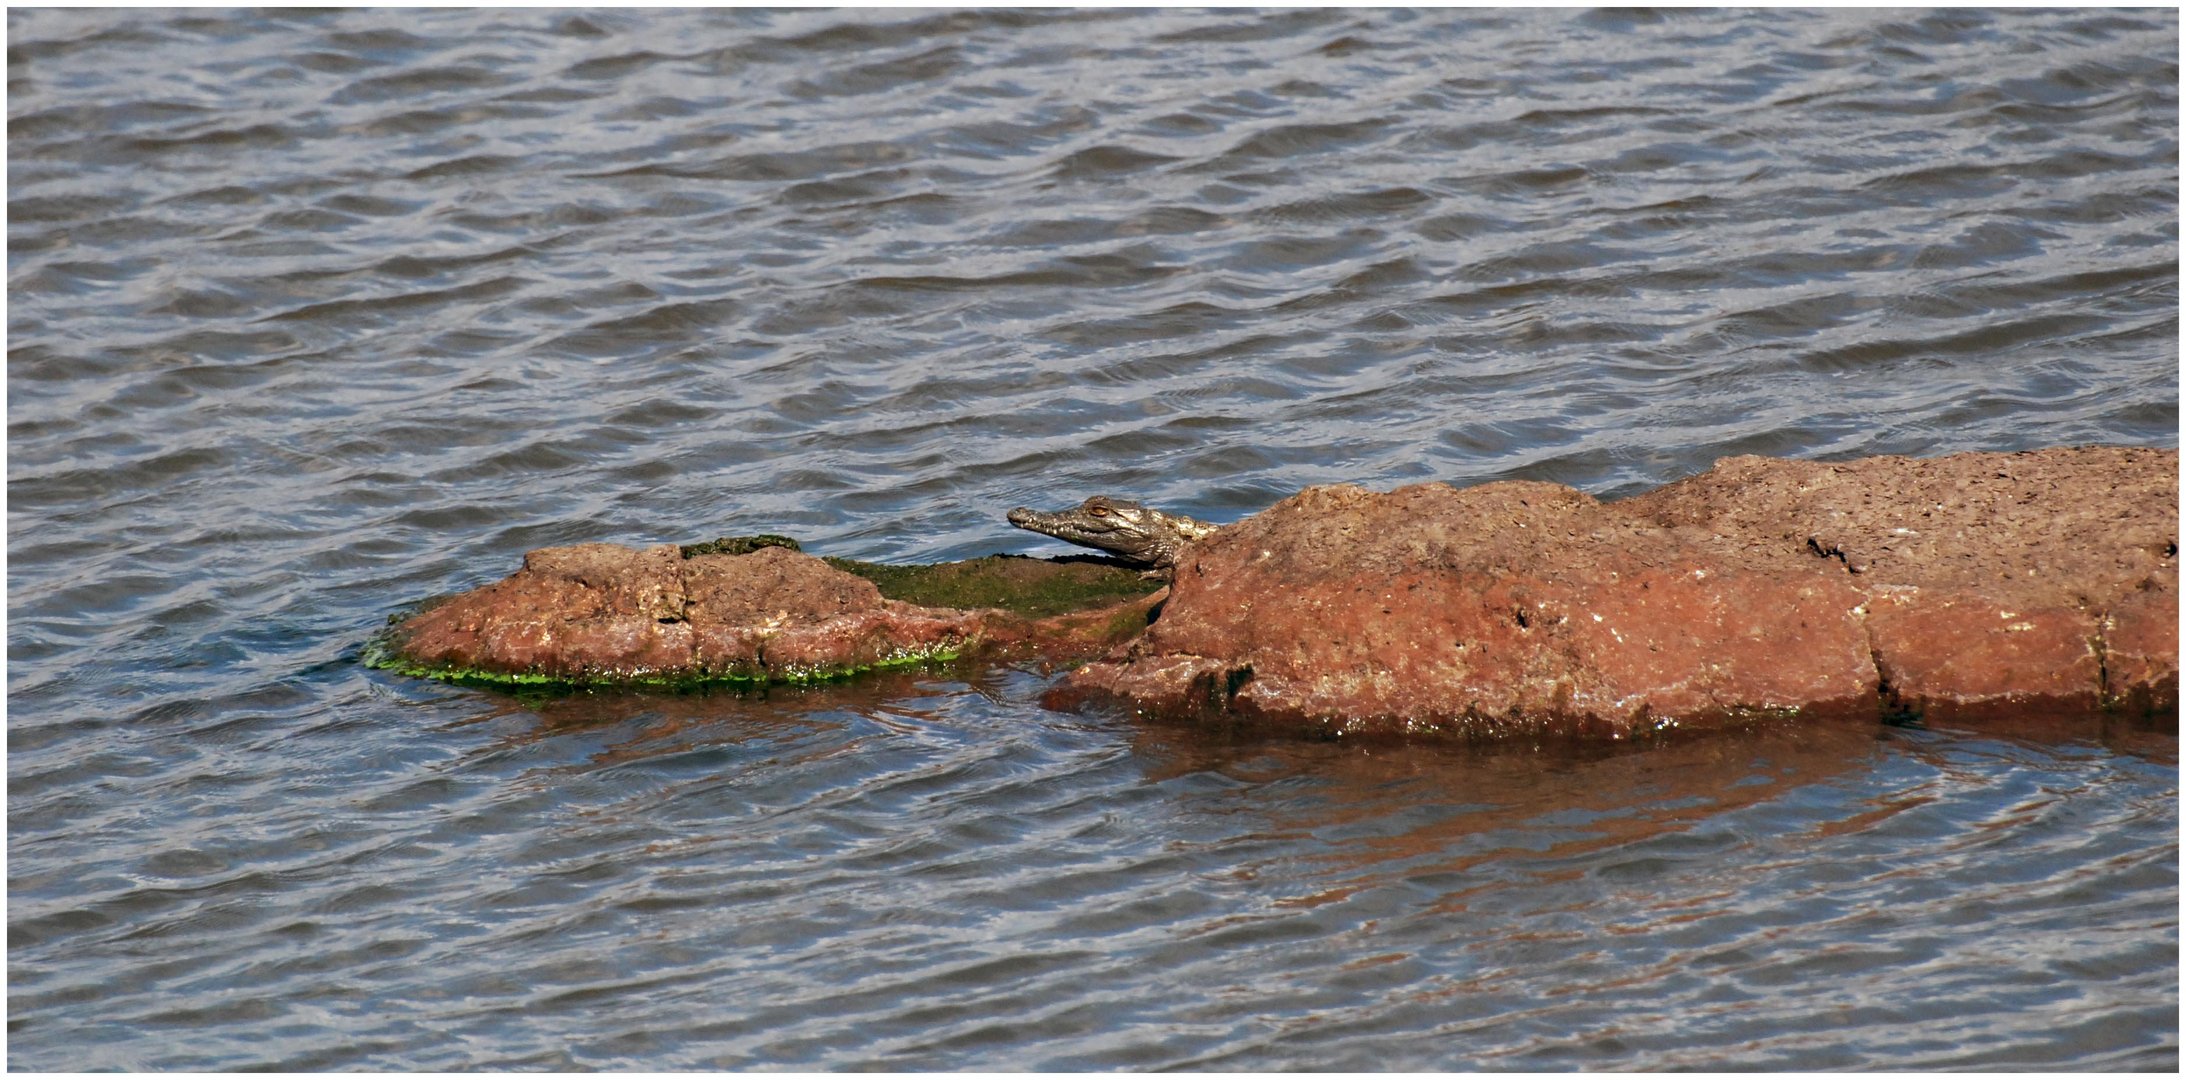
(751, 613)
(1975, 582)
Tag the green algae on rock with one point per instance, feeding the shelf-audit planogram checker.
(384, 653)
(739, 545)
(1018, 584)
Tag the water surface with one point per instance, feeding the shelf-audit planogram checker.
(313, 314)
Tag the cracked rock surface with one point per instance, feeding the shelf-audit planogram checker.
(1978, 583)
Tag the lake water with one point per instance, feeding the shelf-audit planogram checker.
(314, 314)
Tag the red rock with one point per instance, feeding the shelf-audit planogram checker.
(1976, 581)
(603, 613)
(1944, 648)
(1990, 575)
(648, 583)
(1502, 609)
(2140, 649)
(772, 583)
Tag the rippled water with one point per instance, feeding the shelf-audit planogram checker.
(313, 314)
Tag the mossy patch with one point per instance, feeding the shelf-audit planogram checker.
(1034, 588)
(739, 545)
(382, 653)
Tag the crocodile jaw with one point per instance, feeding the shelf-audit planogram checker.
(1113, 534)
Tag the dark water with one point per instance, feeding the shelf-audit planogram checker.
(316, 313)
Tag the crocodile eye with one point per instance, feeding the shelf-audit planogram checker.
(1098, 511)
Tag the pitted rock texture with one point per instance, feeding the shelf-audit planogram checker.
(2038, 580)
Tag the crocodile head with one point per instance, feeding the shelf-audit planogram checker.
(1138, 535)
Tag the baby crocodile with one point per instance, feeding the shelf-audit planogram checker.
(1138, 535)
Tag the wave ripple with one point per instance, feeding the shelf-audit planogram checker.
(316, 313)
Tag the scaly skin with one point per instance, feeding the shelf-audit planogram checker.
(1137, 535)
